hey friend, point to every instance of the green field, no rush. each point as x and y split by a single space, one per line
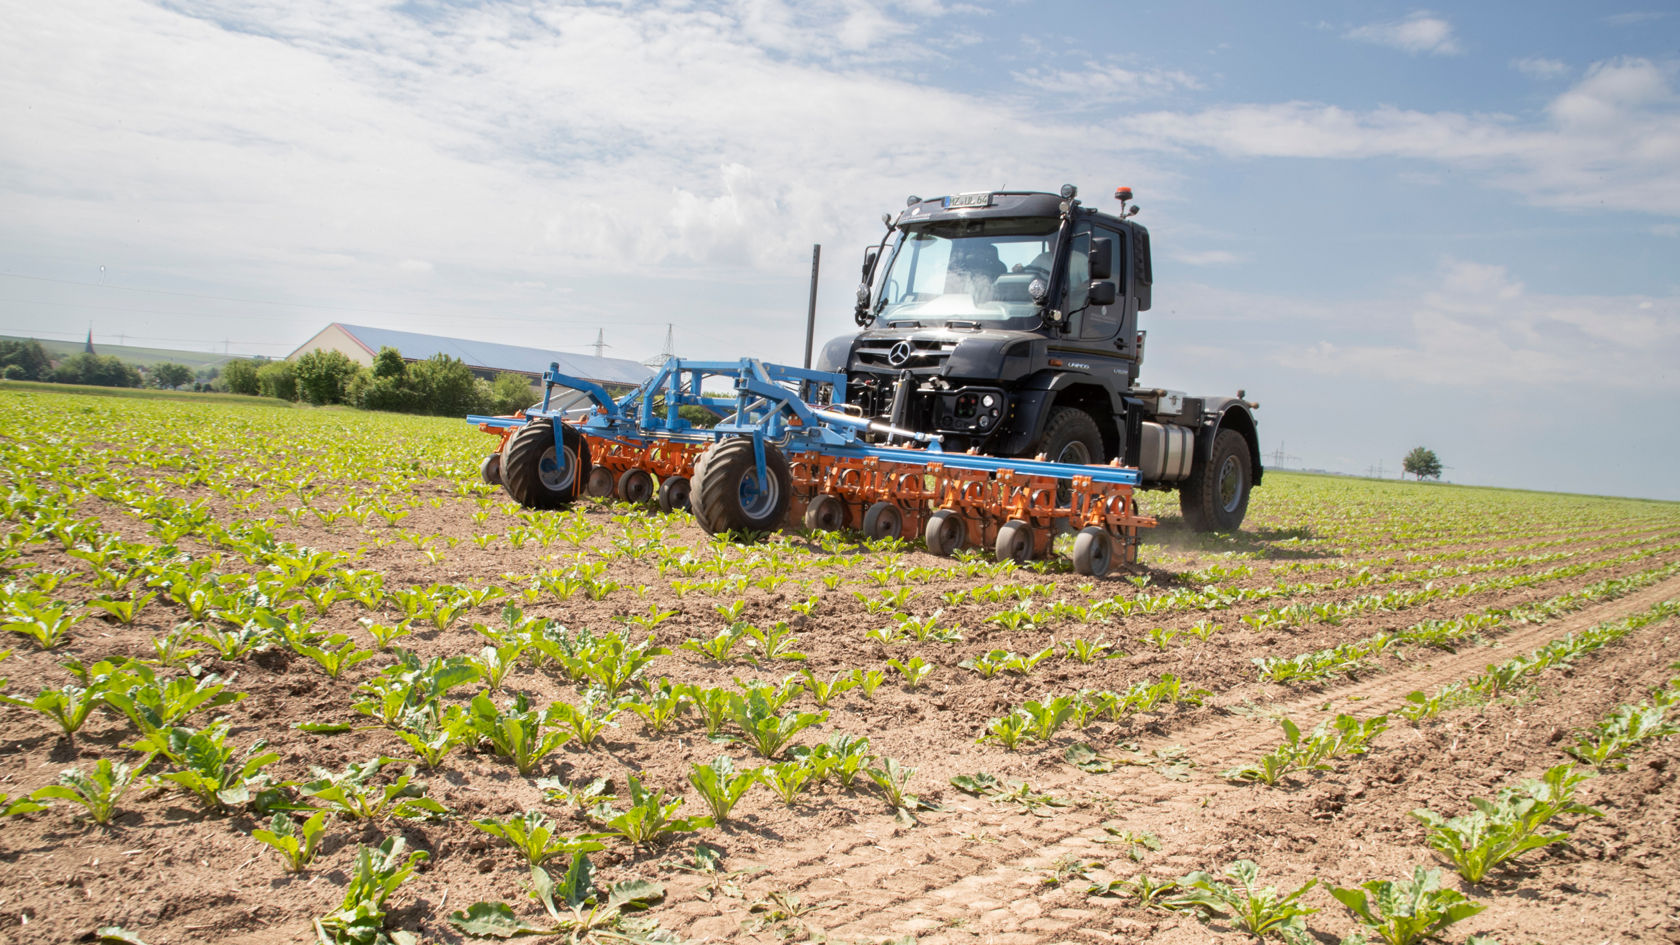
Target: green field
321 624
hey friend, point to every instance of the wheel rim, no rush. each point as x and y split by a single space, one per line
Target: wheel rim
1075 452
555 473
757 498
1230 484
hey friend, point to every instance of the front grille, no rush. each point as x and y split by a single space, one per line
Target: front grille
918 357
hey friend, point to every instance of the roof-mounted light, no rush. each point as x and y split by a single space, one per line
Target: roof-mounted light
912 200
1069 191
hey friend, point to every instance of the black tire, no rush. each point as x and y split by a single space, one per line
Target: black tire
1215 497
1093 552
538 477
693 498
945 533
673 494
600 483
883 520
1071 436
491 469
826 513
635 486
1014 542
727 495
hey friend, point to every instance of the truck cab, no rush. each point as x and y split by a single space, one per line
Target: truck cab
1007 322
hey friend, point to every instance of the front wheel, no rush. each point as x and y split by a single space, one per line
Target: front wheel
539 476
1215 497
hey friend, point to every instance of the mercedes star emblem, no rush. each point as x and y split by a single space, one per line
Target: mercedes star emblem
900 353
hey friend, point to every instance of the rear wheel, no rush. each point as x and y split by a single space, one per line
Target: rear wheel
1014 542
1215 497
600 483
825 514
883 520
635 486
729 494
1093 551
537 475
945 533
673 494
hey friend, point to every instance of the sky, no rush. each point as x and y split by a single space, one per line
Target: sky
1392 225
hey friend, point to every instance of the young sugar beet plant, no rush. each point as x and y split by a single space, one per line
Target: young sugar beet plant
1242 901
1505 828
533 835
1345 735
647 818
206 766
99 792
721 786
296 843
360 918
1406 913
592 913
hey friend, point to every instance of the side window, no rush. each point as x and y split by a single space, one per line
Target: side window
1079 271
1101 324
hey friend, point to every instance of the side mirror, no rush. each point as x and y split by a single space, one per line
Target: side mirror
869 257
1102 257
1101 292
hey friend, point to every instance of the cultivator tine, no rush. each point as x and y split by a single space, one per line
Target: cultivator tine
778 461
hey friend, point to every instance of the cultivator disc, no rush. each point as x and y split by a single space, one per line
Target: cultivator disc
781 460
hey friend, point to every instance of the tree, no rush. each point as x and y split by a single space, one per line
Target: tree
389 363
169 375
446 387
1422 463
277 379
511 392
324 375
101 370
28 357
240 377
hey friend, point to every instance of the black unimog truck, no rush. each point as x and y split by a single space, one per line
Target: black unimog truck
1008 322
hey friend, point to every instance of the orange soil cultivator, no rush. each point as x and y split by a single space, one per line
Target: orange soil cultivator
781 457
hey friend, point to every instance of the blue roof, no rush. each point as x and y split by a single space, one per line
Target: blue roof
492 356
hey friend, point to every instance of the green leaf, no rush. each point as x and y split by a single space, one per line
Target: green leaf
322 728
493 920
578 885
1085 758
634 894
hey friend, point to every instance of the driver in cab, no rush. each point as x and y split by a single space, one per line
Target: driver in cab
974 268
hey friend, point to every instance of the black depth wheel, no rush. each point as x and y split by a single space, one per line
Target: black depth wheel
1093 551
883 520
729 495
600 483
1014 542
491 469
1215 497
825 514
673 494
945 533
537 475
635 486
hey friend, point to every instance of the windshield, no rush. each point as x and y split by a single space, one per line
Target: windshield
976 271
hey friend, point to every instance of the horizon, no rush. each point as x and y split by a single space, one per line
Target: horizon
1391 226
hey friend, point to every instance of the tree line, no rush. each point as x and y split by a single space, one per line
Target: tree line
28 361
440 385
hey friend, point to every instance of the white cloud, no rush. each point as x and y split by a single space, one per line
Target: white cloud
1107 82
1418 33
1539 67
415 266
1666 229
1483 329
1611 140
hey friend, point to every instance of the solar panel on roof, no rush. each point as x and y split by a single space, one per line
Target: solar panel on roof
492 356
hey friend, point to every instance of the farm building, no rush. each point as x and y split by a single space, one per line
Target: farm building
485 358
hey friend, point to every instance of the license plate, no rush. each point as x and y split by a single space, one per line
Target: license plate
968 200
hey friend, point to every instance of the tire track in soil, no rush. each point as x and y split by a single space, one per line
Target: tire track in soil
894 882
